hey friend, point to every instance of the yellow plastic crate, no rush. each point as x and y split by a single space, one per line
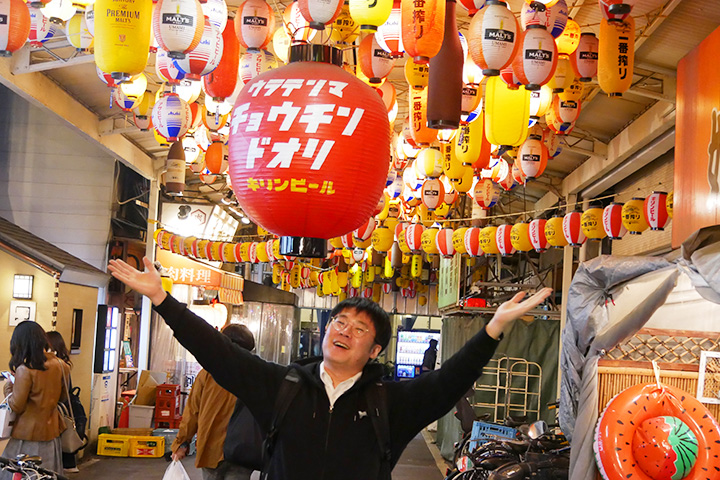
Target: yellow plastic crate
147 447
113 445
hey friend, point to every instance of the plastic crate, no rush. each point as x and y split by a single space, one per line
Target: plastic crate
147 447
113 445
484 432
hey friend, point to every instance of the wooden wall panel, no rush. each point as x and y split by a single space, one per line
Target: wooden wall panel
697 141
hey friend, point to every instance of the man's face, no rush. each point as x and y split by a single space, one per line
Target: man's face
351 345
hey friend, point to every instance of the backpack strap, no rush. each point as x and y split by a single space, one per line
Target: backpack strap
288 389
376 397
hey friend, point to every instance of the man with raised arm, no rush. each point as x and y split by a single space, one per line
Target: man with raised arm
327 433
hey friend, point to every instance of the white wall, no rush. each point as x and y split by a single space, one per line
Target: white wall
53 182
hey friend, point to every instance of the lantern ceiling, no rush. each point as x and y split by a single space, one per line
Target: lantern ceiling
616 128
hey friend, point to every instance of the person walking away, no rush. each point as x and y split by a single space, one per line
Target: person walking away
206 414
58 347
430 356
329 431
34 396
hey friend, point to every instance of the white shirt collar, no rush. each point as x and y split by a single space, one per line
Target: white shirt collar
332 391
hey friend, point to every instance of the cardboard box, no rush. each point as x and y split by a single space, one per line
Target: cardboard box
147 387
140 416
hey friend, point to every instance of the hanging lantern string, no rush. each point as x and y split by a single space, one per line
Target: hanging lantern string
541 210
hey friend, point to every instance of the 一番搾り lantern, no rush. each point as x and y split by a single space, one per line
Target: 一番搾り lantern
291 133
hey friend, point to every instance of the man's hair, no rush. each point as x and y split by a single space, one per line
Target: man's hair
241 335
433 342
379 317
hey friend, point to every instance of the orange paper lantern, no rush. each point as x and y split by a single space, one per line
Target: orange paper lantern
616 56
422 28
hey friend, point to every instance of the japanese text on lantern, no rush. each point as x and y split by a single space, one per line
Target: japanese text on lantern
305 119
298 185
623 57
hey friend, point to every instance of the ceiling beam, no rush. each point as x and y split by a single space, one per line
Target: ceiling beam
42 92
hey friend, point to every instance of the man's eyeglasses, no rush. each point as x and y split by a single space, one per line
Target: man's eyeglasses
341 323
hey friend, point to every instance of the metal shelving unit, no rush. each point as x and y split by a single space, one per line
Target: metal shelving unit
515 384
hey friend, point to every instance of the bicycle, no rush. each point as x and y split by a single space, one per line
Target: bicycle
28 468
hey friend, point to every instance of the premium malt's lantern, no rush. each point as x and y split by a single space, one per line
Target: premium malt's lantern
375 63
591 223
370 14
536 232
422 28
633 216
584 59
295 194
656 212
540 101
616 56
221 82
566 111
254 24
432 193
612 221
533 157
491 37
572 229
536 59
554 232
122 36
177 25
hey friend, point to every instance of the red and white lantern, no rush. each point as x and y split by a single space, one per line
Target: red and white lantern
337 115
375 63
492 37
567 111
216 11
413 237
171 117
612 221
537 235
584 59
252 252
41 28
486 193
472 242
536 58
387 288
253 63
656 212
320 12
389 34
221 82
347 240
533 157
178 26
254 24
366 230
16 27
165 68
572 229
432 193
504 243
443 242
204 58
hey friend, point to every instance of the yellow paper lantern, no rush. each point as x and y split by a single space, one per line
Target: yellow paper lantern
429 162
633 216
507 113
261 252
370 14
427 241
573 93
416 265
669 203
488 241
616 56
452 166
416 74
563 76
554 232
468 142
402 243
336 242
122 36
458 240
591 223
382 238
424 215
520 237
569 40
465 183
344 30
362 243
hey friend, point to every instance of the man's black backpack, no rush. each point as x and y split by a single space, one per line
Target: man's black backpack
245 445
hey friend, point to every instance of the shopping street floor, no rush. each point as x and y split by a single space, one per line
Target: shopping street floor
420 461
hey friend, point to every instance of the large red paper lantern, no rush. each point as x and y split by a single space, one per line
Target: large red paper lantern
204 58
292 131
492 37
221 82
572 229
656 212
422 28
584 59
16 27
503 239
537 235
254 24
536 58
443 242
612 221
178 26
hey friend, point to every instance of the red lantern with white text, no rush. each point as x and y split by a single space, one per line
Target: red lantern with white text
472 242
612 221
656 212
337 116
572 229
443 242
375 63
504 241
221 82
536 232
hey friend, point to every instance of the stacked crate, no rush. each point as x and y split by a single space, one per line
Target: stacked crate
167 406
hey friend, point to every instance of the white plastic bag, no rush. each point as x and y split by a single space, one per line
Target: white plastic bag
175 471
